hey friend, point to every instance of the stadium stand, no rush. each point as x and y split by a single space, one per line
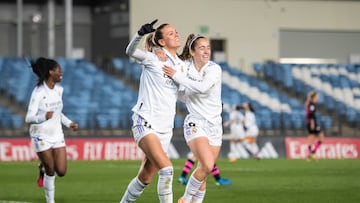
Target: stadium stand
274 109
91 97
98 100
337 84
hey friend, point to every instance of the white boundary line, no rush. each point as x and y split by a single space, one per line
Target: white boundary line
9 201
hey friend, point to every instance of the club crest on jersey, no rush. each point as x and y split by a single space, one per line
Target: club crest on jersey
193 129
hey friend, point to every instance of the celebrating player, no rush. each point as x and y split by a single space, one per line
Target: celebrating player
154 112
203 124
46 118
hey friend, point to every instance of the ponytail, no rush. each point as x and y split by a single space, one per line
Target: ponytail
189 45
41 68
310 96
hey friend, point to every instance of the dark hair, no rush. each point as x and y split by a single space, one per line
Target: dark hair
41 68
238 107
251 108
190 44
158 34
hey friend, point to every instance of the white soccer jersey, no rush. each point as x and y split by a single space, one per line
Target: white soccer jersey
43 99
250 124
157 92
236 117
236 125
203 91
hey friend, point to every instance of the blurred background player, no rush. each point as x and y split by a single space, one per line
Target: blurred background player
237 133
189 163
314 130
46 119
251 130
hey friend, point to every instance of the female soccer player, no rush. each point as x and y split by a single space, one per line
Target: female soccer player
251 130
314 130
237 133
154 112
46 118
203 124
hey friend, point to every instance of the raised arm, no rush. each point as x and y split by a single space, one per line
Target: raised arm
131 49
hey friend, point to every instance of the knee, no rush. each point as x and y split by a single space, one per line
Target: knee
207 168
61 173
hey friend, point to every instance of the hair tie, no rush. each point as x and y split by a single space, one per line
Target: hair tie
193 40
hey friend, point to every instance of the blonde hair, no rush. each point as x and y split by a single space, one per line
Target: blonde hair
149 43
310 97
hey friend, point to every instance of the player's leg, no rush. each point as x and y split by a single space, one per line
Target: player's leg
320 138
136 187
218 180
40 179
310 140
47 159
206 155
189 163
60 161
154 151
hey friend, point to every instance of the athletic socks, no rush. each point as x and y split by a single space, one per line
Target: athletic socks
187 167
164 186
216 172
198 197
316 147
191 188
49 187
133 191
309 151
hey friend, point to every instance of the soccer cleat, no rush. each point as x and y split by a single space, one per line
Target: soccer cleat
311 157
40 179
223 181
183 180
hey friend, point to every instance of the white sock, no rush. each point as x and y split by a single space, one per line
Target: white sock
254 148
164 187
49 187
234 153
198 197
192 187
133 191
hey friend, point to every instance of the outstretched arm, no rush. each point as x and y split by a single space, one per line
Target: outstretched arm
211 78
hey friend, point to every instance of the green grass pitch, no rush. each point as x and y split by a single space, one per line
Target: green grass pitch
264 181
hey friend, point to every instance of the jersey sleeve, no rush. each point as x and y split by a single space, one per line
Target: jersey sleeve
32 115
65 120
210 79
133 51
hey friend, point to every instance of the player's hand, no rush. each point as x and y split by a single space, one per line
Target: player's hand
147 28
169 71
74 126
